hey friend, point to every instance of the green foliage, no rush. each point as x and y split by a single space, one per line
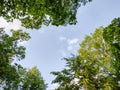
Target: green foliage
65 78
23 79
12 75
32 80
34 13
9 51
9 48
112 37
92 67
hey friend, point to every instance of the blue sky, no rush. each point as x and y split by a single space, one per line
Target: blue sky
49 45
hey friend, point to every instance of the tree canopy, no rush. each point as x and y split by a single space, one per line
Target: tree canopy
9 49
96 67
13 74
112 37
34 13
91 69
31 79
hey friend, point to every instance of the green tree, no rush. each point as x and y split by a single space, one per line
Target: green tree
34 13
13 75
9 51
32 80
112 37
24 79
91 69
66 77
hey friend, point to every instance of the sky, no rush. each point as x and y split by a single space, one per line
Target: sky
49 45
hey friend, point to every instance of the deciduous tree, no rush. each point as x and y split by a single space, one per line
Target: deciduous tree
112 37
10 50
13 75
34 13
32 80
91 69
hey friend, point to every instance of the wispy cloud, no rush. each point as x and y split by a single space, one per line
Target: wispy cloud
63 53
73 41
62 38
72 44
69 45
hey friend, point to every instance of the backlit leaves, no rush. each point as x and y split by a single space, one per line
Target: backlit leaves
92 67
34 13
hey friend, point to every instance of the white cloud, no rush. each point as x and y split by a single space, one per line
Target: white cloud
53 86
3 23
73 41
62 38
73 44
16 24
63 53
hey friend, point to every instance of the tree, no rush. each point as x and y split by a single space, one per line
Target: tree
32 80
112 37
9 51
34 13
91 69
9 48
66 78
13 75
24 79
